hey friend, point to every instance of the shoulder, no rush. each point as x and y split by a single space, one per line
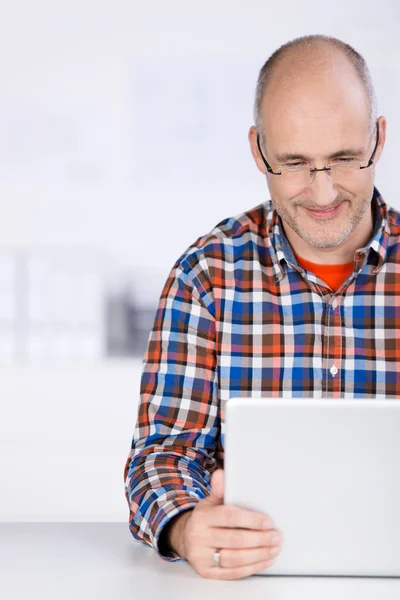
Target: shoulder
393 220
228 237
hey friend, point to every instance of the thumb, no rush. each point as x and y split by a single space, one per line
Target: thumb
217 487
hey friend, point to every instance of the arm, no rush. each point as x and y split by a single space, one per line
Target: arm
171 459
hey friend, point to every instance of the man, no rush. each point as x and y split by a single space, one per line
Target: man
297 297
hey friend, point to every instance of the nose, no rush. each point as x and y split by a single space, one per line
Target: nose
321 189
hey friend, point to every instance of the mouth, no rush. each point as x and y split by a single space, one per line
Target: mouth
325 214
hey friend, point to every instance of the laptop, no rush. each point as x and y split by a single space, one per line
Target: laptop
327 472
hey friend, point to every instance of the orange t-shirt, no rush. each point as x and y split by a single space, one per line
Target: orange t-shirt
333 275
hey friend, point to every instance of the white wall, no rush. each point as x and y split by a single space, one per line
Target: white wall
65 434
68 112
123 127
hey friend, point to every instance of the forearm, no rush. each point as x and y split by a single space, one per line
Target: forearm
178 422
159 487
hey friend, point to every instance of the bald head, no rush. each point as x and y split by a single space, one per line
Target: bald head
317 67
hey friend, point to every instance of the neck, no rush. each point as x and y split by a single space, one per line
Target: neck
340 254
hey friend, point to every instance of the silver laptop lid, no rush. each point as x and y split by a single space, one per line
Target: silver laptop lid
327 471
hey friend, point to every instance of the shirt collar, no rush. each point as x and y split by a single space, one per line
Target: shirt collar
378 241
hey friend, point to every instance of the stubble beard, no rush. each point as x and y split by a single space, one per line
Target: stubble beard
325 238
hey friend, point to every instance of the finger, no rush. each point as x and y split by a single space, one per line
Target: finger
221 537
217 486
238 558
228 515
238 572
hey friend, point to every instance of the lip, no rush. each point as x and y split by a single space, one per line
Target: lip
325 214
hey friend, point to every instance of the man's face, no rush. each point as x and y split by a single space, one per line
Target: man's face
326 212
317 118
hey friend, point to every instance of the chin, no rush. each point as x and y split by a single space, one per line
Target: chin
323 242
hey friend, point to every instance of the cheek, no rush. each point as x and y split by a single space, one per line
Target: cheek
362 186
284 199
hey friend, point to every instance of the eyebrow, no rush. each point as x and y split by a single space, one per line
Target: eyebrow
281 158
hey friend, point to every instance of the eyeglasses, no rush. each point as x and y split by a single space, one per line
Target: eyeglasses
300 173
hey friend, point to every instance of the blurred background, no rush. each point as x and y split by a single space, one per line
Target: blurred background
123 138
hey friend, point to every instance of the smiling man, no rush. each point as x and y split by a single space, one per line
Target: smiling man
298 296
316 108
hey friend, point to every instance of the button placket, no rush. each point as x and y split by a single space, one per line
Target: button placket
334 350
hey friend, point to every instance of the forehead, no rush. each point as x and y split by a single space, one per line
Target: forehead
316 116
318 138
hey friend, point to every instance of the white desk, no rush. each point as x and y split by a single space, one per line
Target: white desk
102 561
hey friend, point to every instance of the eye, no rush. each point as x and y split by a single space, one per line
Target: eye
293 164
344 160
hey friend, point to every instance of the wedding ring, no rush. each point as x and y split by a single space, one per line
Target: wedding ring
216 559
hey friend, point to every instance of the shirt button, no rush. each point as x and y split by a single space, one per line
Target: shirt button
334 304
333 370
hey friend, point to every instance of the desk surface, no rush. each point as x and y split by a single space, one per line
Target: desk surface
102 561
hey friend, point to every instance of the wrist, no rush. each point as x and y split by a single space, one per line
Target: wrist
175 533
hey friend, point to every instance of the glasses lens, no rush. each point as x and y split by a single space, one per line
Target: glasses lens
338 173
298 178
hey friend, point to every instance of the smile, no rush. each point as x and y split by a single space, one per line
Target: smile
324 214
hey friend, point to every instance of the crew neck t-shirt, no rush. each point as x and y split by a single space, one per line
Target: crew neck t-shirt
333 275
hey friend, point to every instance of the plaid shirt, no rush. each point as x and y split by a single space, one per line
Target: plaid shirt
238 316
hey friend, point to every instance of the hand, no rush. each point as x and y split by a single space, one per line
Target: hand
245 545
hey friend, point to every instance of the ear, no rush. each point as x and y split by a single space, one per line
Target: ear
252 135
382 138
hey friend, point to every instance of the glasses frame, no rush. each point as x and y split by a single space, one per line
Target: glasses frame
313 169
